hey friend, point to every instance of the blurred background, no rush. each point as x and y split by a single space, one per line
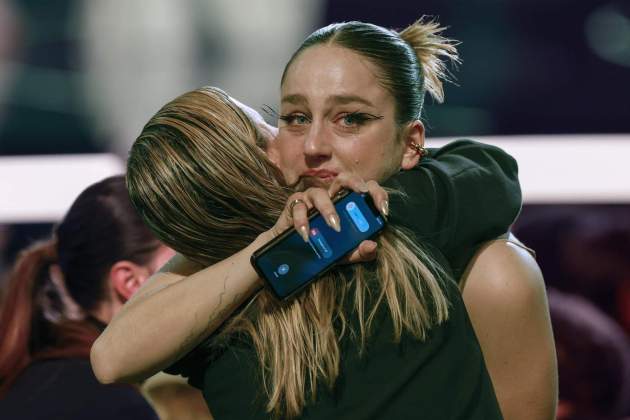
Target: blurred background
81 78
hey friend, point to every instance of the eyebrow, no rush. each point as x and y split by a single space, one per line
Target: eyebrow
348 99
297 99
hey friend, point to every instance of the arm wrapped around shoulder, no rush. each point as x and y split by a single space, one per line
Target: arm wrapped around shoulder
463 194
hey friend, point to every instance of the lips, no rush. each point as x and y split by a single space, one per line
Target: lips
320 173
317 178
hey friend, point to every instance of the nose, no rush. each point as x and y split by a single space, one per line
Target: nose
317 145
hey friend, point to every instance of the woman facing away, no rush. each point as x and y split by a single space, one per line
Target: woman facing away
206 189
61 294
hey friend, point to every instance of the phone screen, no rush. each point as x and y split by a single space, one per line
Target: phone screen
288 263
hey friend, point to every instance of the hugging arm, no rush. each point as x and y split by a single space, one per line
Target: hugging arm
181 305
463 194
171 313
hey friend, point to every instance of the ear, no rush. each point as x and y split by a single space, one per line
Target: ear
413 134
126 277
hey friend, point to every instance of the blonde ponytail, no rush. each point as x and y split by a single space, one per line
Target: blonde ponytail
434 51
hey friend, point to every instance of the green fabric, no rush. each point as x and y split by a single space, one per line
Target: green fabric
461 195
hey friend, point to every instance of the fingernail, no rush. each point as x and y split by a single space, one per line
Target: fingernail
364 187
333 222
385 208
303 233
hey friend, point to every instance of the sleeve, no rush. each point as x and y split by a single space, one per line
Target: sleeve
460 196
191 366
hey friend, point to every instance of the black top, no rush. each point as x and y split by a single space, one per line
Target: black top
66 389
460 196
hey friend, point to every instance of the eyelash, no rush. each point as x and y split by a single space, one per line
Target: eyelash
359 118
290 118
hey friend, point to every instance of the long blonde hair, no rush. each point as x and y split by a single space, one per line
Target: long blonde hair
206 189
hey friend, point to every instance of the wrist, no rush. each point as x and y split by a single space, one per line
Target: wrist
265 237
261 240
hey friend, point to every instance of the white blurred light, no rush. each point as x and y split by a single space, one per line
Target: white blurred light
552 169
42 188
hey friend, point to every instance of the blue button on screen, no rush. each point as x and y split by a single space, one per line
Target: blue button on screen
283 269
357 217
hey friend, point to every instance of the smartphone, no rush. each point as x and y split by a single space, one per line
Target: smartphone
287 264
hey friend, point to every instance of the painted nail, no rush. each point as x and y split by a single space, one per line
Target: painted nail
303 233
333 222
385 208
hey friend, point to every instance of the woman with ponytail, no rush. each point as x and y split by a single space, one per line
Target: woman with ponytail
338 91
60 295
385 339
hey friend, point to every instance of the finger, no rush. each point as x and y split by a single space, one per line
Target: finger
321 201
284 222
366 251
349 181
379 196
299 213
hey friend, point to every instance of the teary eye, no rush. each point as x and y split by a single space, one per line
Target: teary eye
295 119
354 119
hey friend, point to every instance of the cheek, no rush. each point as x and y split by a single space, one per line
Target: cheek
288 154
366 157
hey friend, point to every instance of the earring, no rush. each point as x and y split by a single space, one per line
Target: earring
419 149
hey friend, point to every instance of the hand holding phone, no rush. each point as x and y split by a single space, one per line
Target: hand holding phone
320 199
289 263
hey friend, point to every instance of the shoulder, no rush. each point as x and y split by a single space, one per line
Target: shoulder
504 272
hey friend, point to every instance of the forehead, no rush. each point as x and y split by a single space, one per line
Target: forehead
323 71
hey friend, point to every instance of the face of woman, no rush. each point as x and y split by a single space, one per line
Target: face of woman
336 117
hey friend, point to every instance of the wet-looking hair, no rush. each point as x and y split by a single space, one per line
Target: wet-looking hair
409 63
100 228
200 182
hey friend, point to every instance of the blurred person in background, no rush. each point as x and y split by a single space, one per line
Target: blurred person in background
593 360
61 294
584 250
